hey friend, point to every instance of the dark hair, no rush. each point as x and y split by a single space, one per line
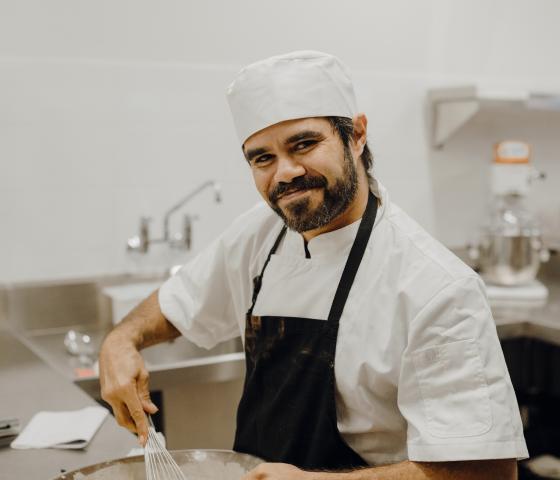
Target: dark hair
345 129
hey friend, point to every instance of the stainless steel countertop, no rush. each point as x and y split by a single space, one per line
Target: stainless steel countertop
28 386
523 320
169 363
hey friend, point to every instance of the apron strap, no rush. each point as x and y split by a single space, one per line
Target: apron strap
354 260
257 281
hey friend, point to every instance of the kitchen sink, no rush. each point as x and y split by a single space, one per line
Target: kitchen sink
181 350
170 363
41 313
184 377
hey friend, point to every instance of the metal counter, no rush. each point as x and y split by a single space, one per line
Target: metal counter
170 363
523 320
28 386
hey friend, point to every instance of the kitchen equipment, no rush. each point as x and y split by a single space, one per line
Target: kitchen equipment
510 253
195 464
141 243
510 249
160 465
80 345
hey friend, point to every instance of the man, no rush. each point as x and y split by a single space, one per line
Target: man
367 342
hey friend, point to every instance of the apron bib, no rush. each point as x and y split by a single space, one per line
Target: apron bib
288 410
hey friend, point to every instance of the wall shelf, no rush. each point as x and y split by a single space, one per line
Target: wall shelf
450 108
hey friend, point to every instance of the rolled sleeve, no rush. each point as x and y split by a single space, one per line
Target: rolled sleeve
454 388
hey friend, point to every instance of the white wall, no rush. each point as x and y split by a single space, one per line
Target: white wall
114 109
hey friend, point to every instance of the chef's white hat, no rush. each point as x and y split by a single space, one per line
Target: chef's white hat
285 87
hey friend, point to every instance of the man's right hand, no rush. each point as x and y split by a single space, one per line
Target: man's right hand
124 384
122 373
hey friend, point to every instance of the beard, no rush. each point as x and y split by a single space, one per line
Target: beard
299 215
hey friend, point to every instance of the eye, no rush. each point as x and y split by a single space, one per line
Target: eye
262 160
304 145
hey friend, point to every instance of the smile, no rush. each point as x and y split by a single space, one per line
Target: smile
288 196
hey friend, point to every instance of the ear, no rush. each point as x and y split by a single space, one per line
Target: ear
359 122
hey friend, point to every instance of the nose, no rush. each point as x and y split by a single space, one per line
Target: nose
287 168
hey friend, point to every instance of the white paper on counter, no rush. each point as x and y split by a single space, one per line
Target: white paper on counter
67 429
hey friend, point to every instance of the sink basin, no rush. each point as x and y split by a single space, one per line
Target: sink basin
42 313
170 364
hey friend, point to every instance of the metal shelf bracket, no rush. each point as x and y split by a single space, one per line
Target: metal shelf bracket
450 108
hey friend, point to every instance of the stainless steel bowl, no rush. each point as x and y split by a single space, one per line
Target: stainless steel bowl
510 259
195 464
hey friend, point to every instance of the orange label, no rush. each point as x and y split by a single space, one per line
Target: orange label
511 151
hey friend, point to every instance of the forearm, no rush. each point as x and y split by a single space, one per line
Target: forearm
479 470
122 373
145 325
399 471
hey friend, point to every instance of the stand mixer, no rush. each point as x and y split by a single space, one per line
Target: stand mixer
510 250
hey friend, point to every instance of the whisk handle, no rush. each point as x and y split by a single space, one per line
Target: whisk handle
150 421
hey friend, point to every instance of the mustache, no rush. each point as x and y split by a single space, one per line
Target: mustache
304 182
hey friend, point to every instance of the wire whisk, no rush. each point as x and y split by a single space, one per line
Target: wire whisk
160 465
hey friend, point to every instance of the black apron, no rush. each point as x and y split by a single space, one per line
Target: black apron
287 412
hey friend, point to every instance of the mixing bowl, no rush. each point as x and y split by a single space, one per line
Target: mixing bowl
195 464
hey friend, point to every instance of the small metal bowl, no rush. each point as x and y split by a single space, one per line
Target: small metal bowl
195 464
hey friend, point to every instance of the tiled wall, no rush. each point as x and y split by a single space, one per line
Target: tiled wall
111 110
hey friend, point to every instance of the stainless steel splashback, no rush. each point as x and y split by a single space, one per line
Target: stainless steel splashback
45 305
58 304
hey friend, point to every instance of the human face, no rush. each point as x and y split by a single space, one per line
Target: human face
303 171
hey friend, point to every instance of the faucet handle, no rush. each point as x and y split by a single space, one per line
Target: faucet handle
187 229
183 240
145 224
140 243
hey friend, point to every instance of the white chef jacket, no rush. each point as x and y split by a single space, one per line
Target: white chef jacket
419 370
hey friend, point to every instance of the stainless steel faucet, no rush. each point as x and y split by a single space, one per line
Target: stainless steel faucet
141 242
186 199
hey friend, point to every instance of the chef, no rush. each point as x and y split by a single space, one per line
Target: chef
371 351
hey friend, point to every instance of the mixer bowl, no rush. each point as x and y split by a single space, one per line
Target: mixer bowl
195 464
511 259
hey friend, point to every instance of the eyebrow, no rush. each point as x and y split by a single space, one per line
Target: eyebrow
252 153
306 134
303 135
